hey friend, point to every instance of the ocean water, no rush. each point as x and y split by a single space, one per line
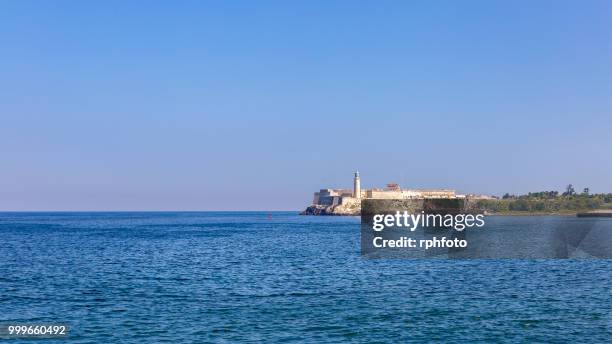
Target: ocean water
227 277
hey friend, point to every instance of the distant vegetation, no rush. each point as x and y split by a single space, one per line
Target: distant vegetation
548 202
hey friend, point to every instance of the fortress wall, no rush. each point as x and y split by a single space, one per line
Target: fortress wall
350 201
326 200
384 194
410 193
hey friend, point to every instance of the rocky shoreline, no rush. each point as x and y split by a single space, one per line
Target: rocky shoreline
337 210
596 213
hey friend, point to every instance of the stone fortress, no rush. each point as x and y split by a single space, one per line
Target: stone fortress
348 202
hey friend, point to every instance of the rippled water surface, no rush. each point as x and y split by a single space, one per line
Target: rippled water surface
232 277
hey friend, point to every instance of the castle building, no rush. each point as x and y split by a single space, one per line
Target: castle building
332 197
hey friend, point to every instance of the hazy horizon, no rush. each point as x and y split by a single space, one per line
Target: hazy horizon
255 106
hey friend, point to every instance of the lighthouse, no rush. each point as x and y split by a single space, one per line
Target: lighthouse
356 186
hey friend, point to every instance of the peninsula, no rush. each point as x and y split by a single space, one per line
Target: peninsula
348 202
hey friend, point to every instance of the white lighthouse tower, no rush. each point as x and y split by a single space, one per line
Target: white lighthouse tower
356 186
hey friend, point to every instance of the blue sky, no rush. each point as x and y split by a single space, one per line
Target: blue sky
198 105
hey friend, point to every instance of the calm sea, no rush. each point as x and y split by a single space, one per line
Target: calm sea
279 277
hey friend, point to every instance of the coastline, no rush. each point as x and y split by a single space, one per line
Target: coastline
314 210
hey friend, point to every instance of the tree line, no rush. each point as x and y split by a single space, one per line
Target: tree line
548 201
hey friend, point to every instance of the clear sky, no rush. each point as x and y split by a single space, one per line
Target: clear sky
254 105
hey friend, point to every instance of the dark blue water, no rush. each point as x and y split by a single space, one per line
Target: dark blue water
244 277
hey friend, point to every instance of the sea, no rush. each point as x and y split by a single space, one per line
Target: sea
278 277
